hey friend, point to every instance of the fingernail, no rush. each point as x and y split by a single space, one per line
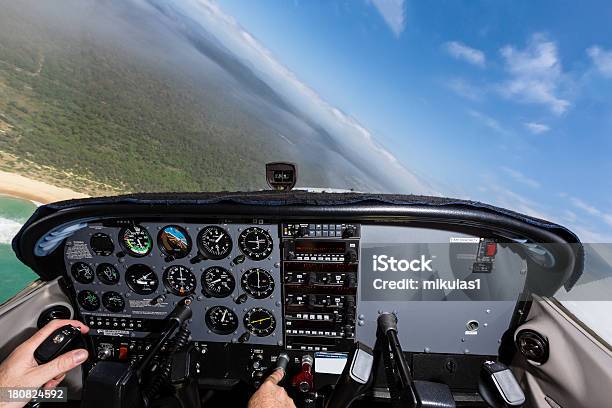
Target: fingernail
80 356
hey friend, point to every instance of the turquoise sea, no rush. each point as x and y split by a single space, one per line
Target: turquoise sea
14 276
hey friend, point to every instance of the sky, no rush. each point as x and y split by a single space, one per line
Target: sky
502 102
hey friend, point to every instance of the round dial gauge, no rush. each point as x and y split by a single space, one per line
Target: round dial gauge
179 280
258 283
218 282
107 274
88 300
141 279
136 240
82 272
255 243
221 320
174 241
214 242
113 302
101 244
260 321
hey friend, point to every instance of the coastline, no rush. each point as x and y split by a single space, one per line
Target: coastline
18 186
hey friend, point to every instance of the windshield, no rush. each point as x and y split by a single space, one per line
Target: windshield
102 98
501 102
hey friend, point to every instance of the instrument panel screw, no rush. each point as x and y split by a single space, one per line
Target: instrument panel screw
488 311
466 351
361 322
427 349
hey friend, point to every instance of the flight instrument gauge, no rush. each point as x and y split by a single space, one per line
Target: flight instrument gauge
141 279
179 280
136 240
259 321
88 300
174 241
214 242
221 320
113 302
218 282
258 283
101 244
82 272
256 243
107 274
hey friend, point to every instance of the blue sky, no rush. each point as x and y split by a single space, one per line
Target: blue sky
503 102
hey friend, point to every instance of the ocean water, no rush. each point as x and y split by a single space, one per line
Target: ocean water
14 275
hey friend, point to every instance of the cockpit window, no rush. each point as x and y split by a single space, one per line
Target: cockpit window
103 98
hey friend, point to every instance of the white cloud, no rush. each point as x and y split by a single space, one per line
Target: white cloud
591 210
536 74
465 53
602 59
487 121
521 178
466 89
584 206
393 12
537 128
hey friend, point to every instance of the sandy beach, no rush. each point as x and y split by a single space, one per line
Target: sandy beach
16 185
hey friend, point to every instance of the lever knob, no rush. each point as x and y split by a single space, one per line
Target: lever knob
303 380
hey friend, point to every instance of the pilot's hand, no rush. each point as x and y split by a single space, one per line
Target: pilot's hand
20 370
270 395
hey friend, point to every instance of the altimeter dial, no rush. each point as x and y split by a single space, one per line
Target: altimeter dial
179 280
214 242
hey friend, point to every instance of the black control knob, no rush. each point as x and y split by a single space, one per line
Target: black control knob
256 361
302 231
350 256
348 232
104 353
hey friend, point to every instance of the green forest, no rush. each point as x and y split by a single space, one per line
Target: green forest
90 117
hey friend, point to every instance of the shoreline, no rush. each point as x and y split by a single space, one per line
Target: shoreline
18 186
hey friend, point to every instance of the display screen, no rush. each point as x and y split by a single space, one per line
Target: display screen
319 267
320 247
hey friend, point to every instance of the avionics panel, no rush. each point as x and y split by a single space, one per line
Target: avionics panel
128 275
320 263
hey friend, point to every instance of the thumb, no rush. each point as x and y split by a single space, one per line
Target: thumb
276 376
58 367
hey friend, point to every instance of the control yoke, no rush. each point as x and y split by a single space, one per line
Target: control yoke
113 384
410 393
